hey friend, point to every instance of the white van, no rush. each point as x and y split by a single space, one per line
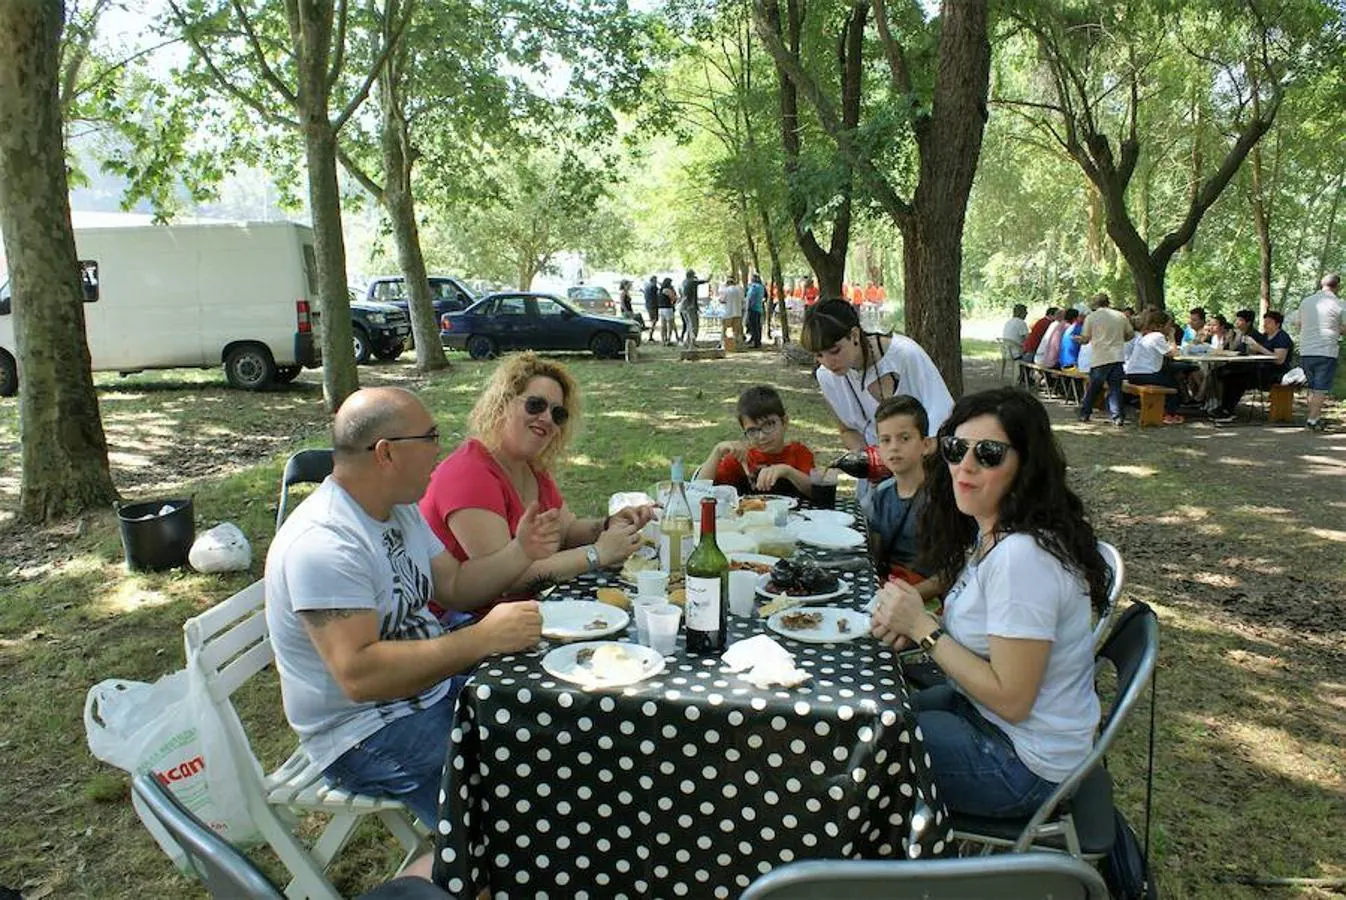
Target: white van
161 297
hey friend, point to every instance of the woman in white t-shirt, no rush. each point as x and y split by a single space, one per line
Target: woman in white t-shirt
1145 365
1002 527
858 369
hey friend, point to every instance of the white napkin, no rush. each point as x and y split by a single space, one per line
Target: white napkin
765 661
619 501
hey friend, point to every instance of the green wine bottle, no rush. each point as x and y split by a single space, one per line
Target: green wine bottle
707 589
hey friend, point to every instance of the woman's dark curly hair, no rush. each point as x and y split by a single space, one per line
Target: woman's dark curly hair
1038 502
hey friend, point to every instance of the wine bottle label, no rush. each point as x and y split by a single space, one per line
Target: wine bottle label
703 603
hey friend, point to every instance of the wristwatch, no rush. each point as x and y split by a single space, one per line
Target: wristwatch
591 554
928 642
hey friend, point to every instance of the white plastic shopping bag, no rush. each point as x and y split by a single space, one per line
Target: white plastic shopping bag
223 548
171 729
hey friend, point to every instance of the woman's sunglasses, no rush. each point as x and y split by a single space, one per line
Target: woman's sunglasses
988 454
536 406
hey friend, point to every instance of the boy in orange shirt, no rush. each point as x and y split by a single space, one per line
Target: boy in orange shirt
762 462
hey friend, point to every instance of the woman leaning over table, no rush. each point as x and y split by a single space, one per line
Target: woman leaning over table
1004 529
858 369
521 426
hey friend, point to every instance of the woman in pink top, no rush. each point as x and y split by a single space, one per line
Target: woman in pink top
521 425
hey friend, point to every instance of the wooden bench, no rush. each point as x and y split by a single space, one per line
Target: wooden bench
1282 400
1077 383
702 353
1026 369
1151 401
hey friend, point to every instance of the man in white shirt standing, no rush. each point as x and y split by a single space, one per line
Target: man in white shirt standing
731 298
1015 331
368 677
1106 331
1320 328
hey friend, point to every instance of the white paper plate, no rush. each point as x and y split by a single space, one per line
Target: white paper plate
841 589
829 537
563 662
832 517
569 620
828 631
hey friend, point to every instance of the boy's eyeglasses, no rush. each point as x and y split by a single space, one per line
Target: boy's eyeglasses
987 453
756 433
431 435
536 406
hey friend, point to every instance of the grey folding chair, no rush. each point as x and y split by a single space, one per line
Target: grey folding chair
1020 876
304 467
1117 569
1078 816
221 866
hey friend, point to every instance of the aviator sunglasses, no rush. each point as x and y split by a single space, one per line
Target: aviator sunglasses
987 453
536 406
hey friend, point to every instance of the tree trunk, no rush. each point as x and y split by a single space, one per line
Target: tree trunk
401 207
777 275
950 146
63 448
1262 225
1326 252
931 256
339 378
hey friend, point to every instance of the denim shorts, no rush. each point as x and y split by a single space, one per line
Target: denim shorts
1321 370
404 759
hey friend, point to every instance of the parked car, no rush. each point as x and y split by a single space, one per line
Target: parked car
531 321
592 299
380 329
448 294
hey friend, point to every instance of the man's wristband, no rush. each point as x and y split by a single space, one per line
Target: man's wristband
591 555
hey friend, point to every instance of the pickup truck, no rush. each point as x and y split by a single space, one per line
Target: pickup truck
380 329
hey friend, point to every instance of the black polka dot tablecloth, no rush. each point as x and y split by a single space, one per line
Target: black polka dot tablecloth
689 784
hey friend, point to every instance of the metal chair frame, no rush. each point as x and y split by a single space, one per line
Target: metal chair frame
223 868
1133 649
1021 876
304 467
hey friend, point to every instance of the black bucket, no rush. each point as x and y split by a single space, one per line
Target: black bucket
155 541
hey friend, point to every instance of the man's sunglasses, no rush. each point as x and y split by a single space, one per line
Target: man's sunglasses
536 406
988 454
431 435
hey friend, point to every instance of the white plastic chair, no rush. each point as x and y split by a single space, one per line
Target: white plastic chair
1022 876
1113 558
230 644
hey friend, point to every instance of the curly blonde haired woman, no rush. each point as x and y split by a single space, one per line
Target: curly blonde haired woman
521 426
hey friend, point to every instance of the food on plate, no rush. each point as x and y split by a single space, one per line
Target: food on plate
584 656
751 504
743 565
613 597
843 625
801 621
597 624
784 601
613 662
800 579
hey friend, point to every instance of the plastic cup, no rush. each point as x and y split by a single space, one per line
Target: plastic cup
640 608
824 482
662 620
652 583
779 511
742 592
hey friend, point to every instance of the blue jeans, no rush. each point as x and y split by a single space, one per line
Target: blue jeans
1111 375
972 761
404 759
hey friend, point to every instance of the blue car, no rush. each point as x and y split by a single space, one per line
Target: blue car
520 320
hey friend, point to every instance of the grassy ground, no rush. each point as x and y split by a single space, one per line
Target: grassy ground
1235 536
